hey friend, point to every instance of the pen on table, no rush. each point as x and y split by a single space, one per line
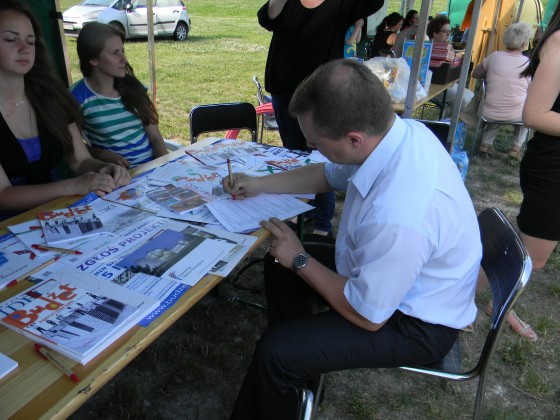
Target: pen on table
230 176
55 249
51 357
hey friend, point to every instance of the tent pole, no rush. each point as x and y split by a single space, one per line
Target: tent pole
464 72
418 46
151 50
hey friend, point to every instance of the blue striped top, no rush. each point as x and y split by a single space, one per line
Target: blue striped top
109 125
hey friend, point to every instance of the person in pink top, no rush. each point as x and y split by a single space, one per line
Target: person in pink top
505 90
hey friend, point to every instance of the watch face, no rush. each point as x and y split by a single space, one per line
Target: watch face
300 261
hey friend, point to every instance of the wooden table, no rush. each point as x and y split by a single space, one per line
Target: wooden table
36 389
435 90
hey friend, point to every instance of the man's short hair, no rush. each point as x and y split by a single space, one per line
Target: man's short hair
343 96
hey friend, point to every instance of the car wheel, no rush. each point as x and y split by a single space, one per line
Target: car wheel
181 32
118 27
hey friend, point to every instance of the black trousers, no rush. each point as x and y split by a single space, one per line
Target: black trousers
299 345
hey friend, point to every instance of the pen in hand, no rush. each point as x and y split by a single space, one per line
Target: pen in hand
230 176
51 357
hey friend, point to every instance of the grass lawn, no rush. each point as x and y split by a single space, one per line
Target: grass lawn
225 48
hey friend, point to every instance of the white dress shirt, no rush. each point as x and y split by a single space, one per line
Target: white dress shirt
408 237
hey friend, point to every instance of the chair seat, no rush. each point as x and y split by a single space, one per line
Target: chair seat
451 362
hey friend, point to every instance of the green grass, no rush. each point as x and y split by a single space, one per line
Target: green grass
225 48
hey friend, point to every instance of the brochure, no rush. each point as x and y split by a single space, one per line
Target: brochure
75 314
62 225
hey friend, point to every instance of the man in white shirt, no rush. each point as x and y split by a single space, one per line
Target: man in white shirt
407 252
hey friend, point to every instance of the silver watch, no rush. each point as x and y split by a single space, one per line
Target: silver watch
300 261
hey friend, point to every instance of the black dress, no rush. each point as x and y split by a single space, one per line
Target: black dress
380 46
539 176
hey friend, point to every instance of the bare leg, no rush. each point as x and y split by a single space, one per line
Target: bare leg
539 250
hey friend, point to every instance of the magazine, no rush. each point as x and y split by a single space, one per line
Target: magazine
16 261
62 225
75 314
178 256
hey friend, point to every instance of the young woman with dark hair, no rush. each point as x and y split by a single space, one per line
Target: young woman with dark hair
40 123
120 120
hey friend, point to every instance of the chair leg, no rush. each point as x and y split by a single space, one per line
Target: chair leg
479 396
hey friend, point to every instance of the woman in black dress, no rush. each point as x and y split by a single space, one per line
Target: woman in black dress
386 34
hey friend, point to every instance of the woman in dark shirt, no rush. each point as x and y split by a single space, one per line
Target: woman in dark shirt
39 123
386 35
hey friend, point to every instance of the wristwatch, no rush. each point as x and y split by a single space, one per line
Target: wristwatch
300 260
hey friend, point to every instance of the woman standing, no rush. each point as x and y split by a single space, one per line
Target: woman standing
539 216
120 120
39 123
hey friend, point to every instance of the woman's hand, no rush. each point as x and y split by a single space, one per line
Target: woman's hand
119 174
109 157
100 184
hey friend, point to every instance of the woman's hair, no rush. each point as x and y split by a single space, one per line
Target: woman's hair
91 42
553 26
408 18
388 21
55 107
516 35
436 24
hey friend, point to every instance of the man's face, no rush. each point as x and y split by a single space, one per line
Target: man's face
336 150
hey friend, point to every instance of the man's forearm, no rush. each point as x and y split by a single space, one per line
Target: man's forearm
308 179
275 7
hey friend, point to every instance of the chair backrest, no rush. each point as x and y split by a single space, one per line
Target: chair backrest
508 267
440 129
222 117
260 96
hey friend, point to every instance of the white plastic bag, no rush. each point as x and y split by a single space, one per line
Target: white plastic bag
394 73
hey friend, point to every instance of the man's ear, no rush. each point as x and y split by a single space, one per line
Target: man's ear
355 138
94 62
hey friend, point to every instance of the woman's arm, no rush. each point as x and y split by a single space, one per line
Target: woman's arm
391 39
275 7
357 33
156 140
479 71
81 163
544 90
107 156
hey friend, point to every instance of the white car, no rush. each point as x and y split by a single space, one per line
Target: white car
170 19
77 16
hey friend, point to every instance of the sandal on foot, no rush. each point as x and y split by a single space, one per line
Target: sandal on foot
468 329
521 328
486 150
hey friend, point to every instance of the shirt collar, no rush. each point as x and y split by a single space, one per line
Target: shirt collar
365 174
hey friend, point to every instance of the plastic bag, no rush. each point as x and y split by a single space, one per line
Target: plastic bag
394 73
458 155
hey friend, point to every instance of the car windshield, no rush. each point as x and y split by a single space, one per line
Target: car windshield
106 3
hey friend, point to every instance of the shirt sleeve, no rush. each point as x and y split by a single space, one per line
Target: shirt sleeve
387 261
264 20
338 175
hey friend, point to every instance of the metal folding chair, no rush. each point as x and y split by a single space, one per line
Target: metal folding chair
223 117
508 267
267 118
440 129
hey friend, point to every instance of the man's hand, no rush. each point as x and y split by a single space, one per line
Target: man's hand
243 186
285 244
